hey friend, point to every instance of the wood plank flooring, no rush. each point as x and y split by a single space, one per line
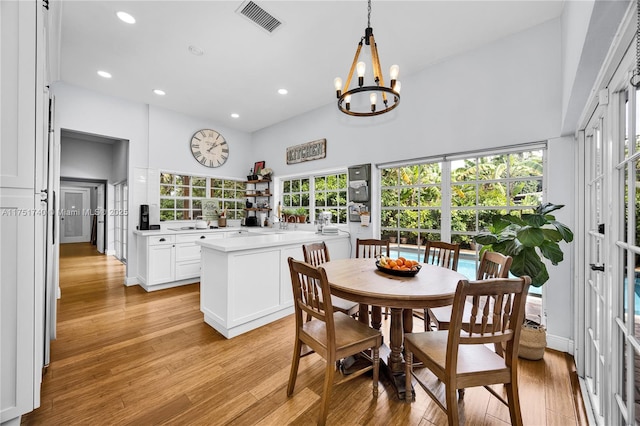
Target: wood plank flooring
127 357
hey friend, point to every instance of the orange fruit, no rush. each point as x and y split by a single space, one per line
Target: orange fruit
400 261
402 258
392 264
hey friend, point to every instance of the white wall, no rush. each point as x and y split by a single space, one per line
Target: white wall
85 160
504 93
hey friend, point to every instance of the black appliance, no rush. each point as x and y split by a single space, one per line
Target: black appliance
144 217
252 221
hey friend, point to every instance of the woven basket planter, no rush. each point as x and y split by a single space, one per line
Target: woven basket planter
533 340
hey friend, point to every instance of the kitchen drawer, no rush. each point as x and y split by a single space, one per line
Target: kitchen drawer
185 270
161 239
190 238
187 251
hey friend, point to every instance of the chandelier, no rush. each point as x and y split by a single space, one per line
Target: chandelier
354 101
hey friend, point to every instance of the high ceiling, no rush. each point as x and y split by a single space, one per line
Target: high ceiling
243 65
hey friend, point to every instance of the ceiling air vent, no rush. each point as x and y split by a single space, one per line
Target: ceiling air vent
258 15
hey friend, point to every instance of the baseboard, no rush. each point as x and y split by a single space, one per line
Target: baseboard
111 253
561 344
129 281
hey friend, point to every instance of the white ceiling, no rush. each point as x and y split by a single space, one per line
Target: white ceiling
243 66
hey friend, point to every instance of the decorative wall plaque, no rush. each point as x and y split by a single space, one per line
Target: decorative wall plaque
307 151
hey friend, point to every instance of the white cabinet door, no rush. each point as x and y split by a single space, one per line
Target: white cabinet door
17 294
161 264
17 84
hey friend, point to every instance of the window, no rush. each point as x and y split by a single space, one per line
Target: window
315 194
181 196
452 200
231 193
483 187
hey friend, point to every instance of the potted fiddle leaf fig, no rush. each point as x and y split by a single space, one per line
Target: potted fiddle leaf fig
528 238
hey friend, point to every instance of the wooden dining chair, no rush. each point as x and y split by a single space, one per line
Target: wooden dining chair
442 254
459 357
332 335
316 254
492 265
371 248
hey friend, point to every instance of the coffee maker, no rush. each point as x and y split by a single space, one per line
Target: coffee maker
144 217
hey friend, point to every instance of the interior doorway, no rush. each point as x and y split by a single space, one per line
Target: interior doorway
75 217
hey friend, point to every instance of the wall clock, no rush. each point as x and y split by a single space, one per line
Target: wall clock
209 148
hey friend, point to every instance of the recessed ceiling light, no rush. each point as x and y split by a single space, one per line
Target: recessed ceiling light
195 50
104 74
125 17
159 92
283 91
234 115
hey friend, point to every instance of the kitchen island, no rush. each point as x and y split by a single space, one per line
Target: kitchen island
245 281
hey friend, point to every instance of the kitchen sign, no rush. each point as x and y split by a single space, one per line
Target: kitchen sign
307 151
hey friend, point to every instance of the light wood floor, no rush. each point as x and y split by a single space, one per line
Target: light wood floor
124 356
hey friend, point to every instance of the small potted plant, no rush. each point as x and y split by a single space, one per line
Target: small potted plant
301 214
528 238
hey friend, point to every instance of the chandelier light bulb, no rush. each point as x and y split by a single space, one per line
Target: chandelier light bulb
347 101
394 71
396 87
337 82
373 98
360 68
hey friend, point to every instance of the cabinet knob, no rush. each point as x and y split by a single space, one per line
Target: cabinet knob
202 237
162 240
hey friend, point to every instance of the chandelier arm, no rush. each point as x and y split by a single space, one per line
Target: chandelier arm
376 65
353 66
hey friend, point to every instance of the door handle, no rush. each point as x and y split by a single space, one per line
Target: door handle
202 237
597 267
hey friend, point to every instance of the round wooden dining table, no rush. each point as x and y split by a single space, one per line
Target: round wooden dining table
360 280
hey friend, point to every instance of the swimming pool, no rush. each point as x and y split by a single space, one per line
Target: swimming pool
467 264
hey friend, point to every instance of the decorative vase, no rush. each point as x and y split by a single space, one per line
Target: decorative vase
222 222
533 341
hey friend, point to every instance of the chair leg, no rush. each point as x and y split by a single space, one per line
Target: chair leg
427 320
326 392
408 368
294 368
514 403
376 369
452 405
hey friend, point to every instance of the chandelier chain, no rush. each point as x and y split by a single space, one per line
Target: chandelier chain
369 14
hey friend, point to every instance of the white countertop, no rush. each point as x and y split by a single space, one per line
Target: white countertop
263 239
177 231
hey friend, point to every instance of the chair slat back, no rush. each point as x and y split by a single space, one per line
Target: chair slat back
442 254
316 253
370 248
310 288
501 299
493 265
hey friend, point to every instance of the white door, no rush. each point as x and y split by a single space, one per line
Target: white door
100 219
596 298
75 223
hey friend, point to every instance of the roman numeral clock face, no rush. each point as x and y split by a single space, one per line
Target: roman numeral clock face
209 148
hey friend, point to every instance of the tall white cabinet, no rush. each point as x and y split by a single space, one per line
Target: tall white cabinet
22 229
